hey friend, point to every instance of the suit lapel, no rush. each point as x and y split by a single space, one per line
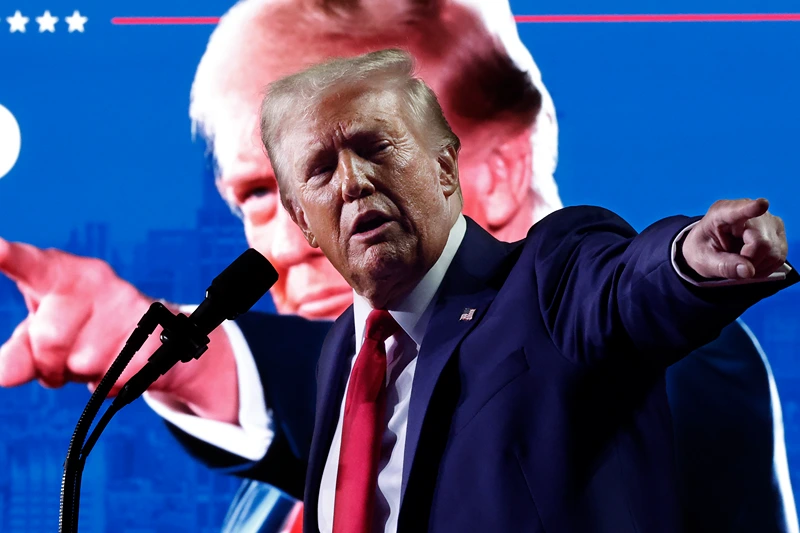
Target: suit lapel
466 287
332 374
464 296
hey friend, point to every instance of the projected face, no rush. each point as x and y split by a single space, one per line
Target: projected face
488 101
308 284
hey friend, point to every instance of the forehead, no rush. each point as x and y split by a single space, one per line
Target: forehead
351 110
341 116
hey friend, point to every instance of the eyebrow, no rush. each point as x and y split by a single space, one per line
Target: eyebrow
352 135
357 128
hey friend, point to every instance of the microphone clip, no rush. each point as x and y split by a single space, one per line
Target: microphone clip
181 340
184 338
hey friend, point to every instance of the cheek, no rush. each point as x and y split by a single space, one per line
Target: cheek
260 210
323 215
259 237
423 197
335 256
416 186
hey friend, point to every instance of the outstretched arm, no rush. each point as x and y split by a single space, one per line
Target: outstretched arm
606 291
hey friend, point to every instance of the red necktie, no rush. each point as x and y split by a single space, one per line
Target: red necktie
362 429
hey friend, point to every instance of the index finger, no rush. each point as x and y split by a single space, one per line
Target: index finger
26 265
740 211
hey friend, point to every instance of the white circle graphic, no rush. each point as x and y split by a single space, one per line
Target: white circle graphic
10 141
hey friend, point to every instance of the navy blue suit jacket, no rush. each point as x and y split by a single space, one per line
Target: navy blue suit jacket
548 410
556 425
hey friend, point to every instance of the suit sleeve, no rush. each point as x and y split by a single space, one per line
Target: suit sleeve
286 350
606 291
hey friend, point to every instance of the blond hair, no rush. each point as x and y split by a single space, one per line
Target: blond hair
297 94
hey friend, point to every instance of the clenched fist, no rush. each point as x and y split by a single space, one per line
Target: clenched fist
80 313
736 239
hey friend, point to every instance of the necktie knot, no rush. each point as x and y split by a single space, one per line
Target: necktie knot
380 325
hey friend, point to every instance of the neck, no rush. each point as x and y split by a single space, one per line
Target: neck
386 292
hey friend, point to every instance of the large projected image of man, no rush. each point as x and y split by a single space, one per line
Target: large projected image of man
253 392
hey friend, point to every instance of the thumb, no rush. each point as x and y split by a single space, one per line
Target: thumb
17 365
730 266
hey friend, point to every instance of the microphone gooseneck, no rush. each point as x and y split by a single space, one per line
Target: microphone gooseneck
184 338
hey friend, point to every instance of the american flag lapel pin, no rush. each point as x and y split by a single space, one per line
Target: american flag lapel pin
467 314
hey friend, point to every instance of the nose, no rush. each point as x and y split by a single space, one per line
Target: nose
289 247
355 178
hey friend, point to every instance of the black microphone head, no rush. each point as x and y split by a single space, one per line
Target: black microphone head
237 288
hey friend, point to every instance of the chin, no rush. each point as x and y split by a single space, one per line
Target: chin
378 278
382 261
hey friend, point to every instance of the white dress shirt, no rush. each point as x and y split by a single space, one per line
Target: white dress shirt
254 433
412 314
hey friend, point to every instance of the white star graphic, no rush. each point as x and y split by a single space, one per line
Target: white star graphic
47 22
76 22
17 22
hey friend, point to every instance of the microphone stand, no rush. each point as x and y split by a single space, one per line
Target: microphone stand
185 342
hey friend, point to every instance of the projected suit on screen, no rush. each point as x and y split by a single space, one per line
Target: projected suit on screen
473 59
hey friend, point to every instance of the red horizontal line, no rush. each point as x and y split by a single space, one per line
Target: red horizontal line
144 21
536 19
689 17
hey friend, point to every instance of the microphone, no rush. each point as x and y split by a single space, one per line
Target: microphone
233 292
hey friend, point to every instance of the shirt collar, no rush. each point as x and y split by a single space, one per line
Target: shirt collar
413 312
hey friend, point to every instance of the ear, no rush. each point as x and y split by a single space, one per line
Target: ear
298 216
509 174
307 233
448 170
310 238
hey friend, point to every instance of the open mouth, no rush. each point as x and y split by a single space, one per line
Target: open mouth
369 222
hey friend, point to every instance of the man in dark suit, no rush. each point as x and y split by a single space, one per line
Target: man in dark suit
719 398
722 400
479 385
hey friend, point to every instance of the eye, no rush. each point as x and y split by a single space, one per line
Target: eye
381 147
256 197
321 171
372 150
252 191
258 192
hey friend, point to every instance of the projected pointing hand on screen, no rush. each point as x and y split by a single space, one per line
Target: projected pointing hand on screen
79 315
